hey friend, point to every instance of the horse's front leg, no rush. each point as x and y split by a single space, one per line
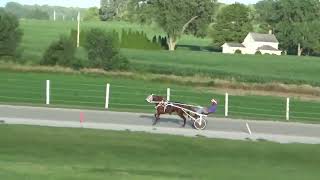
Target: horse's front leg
157 117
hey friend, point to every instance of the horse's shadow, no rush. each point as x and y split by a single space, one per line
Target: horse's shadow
166 120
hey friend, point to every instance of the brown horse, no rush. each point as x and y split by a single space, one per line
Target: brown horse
162 107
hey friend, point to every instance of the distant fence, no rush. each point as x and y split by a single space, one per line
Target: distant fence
130 97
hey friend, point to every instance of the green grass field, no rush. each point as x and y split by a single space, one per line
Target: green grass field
38 153
245 68
39 34
128 94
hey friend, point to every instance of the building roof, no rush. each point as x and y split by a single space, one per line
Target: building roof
268 48
235 45
264 37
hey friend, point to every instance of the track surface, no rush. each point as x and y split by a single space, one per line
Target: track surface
216 128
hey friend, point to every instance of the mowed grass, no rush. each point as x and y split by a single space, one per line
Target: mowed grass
129 94
38 153
244 68
38 34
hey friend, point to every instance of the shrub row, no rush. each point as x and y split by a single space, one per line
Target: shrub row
102 50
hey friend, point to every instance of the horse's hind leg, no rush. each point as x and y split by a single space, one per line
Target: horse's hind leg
184 119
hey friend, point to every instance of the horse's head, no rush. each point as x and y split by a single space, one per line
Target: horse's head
149 99
154 98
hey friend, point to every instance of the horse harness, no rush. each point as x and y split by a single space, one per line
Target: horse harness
163 104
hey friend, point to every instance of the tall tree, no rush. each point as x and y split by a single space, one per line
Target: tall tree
140 11
92 14
292 21
113 8
232 24
10 34
266 15
299 17
16 9
175 16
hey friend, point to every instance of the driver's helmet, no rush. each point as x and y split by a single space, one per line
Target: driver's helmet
214 101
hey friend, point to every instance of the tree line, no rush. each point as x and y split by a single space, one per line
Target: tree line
295 23
44 12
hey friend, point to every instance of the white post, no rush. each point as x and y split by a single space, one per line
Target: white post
248 128
168 94
54 15
78 36
288 109
226 108
107 96
48 92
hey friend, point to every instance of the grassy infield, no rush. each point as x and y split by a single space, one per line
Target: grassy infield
25 152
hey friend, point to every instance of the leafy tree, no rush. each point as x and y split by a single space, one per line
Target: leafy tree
103 52
293 22
16 9
176 16
10 34
140 11
113 9
266 15
298 16
92 14
232 24
60 53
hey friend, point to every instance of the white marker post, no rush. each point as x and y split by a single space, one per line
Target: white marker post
78 35
226 107
288 109
107 96
54 15
168 94
248 128
48 92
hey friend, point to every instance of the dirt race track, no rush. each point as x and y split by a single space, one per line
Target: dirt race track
283 132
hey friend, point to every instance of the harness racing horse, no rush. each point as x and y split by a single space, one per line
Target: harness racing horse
163 108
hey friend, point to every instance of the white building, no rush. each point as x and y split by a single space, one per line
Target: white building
265 43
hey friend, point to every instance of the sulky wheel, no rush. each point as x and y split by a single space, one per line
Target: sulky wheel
199 126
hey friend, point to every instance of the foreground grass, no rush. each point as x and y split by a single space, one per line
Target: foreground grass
38 153
77 90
